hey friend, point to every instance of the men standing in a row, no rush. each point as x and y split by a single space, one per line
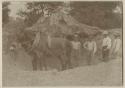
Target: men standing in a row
106 46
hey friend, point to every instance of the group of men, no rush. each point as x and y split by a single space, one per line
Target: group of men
109 47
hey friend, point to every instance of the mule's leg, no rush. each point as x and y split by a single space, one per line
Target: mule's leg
65 59
40 63
34 64
69 64
89 58
68 60
63 64
39 60
34 61
68 53
42 60
44 63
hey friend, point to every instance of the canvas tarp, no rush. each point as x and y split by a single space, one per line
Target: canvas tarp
70 25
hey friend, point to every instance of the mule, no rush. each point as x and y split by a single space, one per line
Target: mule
60 48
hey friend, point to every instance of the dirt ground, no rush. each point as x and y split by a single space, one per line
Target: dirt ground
19 73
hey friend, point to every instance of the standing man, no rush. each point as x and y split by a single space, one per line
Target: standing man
76 49
106 45
13 50
91 48
116 45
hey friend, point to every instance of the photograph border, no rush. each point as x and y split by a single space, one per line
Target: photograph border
123 42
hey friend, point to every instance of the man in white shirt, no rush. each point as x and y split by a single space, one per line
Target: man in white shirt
91 47
76 49
116 45
106 46
76 45
13 50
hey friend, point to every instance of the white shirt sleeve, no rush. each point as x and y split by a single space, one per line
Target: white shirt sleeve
113 45
85 45
79 44
11 48
37 39
108 43
117 45
95 47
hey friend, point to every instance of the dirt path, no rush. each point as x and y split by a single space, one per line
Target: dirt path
108 74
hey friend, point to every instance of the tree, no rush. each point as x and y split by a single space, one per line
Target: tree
5 12
35 10
98 14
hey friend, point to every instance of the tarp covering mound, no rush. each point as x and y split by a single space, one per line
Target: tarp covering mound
59 21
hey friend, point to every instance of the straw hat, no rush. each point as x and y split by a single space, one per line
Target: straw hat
105 32
116 34
75 34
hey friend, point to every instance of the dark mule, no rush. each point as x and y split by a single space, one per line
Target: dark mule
60 48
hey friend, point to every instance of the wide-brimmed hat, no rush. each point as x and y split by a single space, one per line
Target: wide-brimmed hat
76 34
116 34
105 32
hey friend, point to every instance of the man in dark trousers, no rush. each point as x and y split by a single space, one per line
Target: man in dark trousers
91 48
106 45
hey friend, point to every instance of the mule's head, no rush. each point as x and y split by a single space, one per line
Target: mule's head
26 39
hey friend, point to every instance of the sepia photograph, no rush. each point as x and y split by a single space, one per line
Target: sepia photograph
62 43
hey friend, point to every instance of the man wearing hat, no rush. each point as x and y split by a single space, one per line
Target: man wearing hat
76 49
91 48
106 45
13 50
116 45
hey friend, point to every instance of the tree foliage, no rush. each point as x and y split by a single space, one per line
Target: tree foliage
97 14
5 12
35 11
